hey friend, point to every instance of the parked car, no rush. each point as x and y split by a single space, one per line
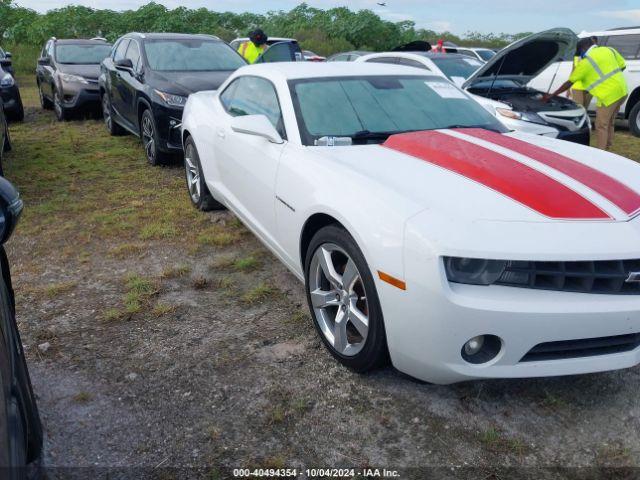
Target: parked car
5 138
10 96
482 54
235 43
347 56
421 227
313 57
20 428
6 61
145 82
500 84
624 40
67 75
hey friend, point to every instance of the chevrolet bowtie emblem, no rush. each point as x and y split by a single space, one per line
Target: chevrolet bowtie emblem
634 277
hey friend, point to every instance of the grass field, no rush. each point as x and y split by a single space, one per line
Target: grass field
176 340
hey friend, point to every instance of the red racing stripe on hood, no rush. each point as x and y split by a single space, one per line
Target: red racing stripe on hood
498 172
616 192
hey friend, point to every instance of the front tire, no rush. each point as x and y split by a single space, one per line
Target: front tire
150 139
343 300
634 119
196 185
58 108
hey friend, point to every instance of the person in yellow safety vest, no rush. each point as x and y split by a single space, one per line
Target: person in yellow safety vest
579 92
600 70
255 47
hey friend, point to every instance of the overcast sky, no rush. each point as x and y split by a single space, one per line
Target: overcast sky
458 16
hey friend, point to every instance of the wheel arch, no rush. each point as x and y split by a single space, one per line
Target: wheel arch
313 224
143 104
634 98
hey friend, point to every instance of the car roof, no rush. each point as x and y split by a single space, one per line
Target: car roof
80 41
171 36
299 70
269 39
429 55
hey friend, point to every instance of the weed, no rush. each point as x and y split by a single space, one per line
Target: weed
260 293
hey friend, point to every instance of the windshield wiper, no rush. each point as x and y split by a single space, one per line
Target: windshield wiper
364 135
483 127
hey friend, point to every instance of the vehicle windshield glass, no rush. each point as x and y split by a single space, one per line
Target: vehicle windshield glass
191 55
457 67
498 84
486 55
82 54
369 109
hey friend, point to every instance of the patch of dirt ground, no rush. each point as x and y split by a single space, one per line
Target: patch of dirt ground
180 348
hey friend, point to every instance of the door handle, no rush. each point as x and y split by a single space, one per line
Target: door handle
220 133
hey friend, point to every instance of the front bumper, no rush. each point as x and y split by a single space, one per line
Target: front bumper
75 98
169 125
582 136
428 323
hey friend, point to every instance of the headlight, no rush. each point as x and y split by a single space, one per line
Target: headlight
69 78
171 99
524 116
474 271
7 81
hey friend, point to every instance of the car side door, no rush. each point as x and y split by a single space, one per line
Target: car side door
628 45
130 84
115 79
247 164
47 70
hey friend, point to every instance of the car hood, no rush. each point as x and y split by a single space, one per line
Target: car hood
477 174
186 83
527 57
86 71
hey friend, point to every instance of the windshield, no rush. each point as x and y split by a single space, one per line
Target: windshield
82 54
457 68
486 55
497 84
191 55
369 109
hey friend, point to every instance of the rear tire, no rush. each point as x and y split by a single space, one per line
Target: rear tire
107 114
634 119
344 302
196 184
58 108
150 139
18 114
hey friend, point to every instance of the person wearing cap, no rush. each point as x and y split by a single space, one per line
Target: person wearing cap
256 46
600 72
439 48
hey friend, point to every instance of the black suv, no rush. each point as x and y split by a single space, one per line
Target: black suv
146 80
10 96
67 74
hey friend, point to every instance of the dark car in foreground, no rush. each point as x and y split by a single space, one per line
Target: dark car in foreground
10 96
67 75
20 428
145 82
5 139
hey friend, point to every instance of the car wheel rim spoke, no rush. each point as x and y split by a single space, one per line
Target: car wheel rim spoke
147 136
193 174
338 299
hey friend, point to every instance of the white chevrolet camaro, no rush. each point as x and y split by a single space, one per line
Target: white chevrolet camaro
424 231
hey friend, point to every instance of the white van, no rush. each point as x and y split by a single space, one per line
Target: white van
624 40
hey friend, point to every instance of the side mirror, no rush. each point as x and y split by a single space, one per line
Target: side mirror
125 64
258 125
10 209
43 61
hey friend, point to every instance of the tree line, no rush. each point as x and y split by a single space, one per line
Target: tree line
324 31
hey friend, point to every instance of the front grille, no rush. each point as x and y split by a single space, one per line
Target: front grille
604 277
588 347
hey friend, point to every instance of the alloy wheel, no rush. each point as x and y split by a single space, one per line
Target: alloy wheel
339 299
148 138
637 119
57 104
106 111
41 96
193 173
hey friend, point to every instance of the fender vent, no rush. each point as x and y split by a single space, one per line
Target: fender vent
603 277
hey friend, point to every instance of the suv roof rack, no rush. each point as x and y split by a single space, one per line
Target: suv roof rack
102 39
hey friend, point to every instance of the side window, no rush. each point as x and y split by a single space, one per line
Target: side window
255 96
50 49
227 95
412 63
383 60
627 45
45 50
133 54
121 49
